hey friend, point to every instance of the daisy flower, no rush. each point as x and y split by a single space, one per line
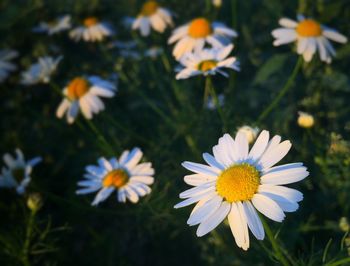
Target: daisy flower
129 178
250 132
16 173
237 182
197 33
83 93
5 63
305 120
41 71
310 36
207 62
153 16
92 30
60 24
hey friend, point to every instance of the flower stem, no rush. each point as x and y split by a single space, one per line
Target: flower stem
26 245
100 136
283 91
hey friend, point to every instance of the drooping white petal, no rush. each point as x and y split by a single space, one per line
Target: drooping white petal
238 225
253 220
268 207
204 211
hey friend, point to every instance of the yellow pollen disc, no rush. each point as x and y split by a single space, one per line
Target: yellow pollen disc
238 183
309 28
18 173
206 65
77 88
90 21
116 178
149 8
199 28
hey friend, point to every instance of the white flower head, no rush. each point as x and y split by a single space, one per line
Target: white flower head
207 62
237 182
211 105
92 30
153 16
250 132
309 36
6 66
197 33
305 120
41 71
126 175
83 94
16 173
60 24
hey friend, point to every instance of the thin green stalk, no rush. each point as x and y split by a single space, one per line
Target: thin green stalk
99 135
26 245
283 91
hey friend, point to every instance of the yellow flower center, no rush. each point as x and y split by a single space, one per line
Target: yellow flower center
18 174
206 65
77 88
116 178
149 8
90 21
309 28
238 183
199 28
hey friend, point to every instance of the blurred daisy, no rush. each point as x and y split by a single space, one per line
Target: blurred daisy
60 24
16 173
153 16
41 71
237 182
250 132
5 63
217 3
310 36
207 62
129 178
93 30
84 94
153 52
211 105
305 120
197 33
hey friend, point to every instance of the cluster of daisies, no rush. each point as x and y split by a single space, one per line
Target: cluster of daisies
237 181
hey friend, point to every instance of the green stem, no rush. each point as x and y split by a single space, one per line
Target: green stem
283 91
26 245
99 135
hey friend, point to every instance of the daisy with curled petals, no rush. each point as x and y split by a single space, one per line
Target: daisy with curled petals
237 182
197 33
92 30
41 71
61 24
207 62
310 36
83 93
17 172
5 63
153 16
129 178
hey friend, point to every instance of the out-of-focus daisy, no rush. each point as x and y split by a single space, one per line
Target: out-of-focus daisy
83 94
250 132
237 182
129 178
60 24
16 173
305 120
92 30
5 63
153 16
197 33
310 36
41 71
211 102
207 62
153 52
217 3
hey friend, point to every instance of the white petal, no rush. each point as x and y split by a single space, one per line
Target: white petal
209 159
259 146
274 155
268 207
285 176
288 23
253 220
204 211
238 225
198 179
334 36
102 195
288 193
200 168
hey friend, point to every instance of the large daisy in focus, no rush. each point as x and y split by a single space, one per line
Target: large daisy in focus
237 182
92 30
17 172
6 66
83 93
310 36
129 178
197 33
60 24
153 16
207 62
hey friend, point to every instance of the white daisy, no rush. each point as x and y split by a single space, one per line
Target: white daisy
129 178
310 36
41 71
93 30
250 132
84 94
199 32
237 182
60 24
207 62
16 173
5 65
153 16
